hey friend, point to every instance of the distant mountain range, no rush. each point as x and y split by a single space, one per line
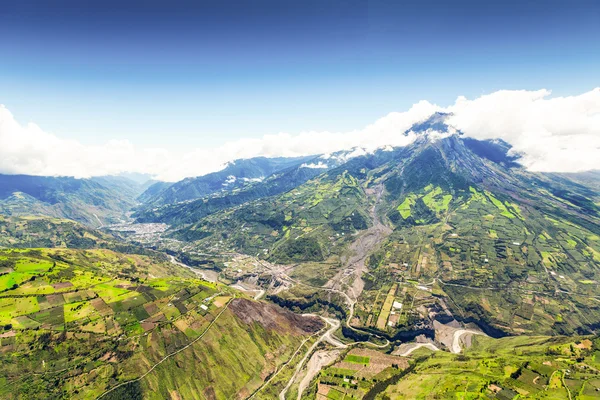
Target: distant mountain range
233 191
94 202
235 175
466 200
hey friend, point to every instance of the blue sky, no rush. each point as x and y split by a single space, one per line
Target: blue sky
180 74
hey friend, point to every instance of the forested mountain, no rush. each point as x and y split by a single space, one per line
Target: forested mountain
95 202
232 192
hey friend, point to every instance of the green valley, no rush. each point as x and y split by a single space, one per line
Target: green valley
442 269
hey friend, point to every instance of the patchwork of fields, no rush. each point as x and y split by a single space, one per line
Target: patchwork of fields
519 367
355 375
77 323
508 266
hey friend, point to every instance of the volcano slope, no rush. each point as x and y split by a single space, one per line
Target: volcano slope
513 251
472 236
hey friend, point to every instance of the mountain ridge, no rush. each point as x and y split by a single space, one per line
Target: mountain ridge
433 187
95 201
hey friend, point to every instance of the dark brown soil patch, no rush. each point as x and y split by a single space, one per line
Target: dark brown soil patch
62 285
273 317
101 306
146 326
209 393
151 308
158 318
55 299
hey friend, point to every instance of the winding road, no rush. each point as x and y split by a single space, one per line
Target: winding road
354 267
259 292
416 346
335 324
319 359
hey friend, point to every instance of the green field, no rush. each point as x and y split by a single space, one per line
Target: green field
90 319
78 310
357 359
386 308
404 207
531 367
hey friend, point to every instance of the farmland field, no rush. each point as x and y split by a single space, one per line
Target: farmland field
98 318
533 367
358 372
357 359
386 308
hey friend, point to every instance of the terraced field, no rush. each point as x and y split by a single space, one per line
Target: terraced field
502 264
509 368
434 246
355 375
491 242
90 323
386 308
520 367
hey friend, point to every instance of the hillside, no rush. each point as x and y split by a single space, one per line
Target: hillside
47 232
38 231
231 196
99 324
94 202
300 200
446 244
152 189
490 242
235 175
520 367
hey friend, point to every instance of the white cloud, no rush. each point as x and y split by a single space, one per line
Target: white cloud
260 179
319 165
27 149
555 134
560 134
230 179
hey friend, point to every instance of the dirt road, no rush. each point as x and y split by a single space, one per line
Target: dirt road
335 324
414 346
320 359
354 267
258 292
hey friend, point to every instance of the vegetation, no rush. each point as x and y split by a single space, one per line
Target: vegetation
236 175
79 322
43 231
520 367
444 231
530 240
359 374
309 223
93 202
